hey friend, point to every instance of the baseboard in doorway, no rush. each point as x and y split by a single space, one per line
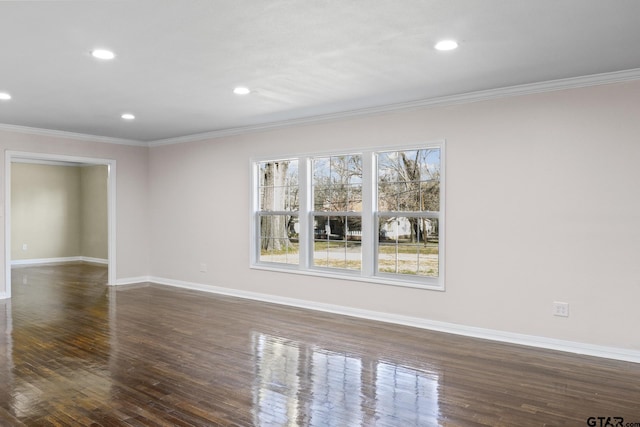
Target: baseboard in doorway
94 260
38 261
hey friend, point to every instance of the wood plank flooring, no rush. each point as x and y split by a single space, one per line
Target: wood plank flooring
74 352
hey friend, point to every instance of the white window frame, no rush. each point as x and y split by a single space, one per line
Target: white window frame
369 214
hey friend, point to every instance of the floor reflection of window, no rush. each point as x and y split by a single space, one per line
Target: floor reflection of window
277 382
405 396
336 382
301 384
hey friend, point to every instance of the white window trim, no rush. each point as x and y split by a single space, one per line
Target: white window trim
369 216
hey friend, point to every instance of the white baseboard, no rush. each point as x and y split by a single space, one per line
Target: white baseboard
452 328
132 280
36 261
94 260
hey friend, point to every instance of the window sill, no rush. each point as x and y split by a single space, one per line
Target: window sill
354 276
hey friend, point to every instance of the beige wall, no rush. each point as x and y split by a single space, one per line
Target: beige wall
542 206
93 211
132 255
45 211
58 211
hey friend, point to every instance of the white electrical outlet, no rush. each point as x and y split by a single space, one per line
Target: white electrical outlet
24 246
203 267
561 309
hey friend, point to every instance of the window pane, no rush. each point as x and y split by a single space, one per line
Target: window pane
387 196
355 169
321 198
337 183
321 185
354 198
279 239
337 242
430 195
338 198
409 180
408 245
278 189
321 170
408 196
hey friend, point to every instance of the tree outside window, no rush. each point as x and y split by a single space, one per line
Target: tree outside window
279 206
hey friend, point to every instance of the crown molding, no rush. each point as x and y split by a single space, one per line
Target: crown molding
70 135
465 98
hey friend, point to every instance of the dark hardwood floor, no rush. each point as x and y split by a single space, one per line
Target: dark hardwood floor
76 352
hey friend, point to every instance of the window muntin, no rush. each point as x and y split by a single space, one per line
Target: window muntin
376 215
278 193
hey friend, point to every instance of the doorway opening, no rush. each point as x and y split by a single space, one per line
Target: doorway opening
13 158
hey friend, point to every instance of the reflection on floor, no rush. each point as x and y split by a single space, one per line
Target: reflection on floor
76 352
331 386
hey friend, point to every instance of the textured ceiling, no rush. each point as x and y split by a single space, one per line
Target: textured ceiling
178 60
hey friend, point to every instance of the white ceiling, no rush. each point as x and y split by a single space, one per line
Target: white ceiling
178 60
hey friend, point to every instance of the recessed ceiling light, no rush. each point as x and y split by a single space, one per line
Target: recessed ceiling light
5 96
446 45
128 116
103 54
241 90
